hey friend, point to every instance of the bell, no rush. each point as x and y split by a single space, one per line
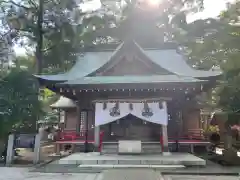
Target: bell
160 105
147 112
104 106
115 111
130 106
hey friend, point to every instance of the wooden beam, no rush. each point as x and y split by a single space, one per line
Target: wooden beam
133 100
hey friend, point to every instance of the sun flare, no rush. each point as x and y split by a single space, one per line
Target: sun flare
154 2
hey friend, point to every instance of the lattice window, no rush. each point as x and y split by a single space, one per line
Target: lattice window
83 117
62 116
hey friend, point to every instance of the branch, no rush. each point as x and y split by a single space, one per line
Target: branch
14 3
32 3
49 48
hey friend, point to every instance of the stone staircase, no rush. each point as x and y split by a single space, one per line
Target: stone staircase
109 147
151 148
147 148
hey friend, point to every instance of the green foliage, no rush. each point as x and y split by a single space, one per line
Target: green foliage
215 43
64 26
19 103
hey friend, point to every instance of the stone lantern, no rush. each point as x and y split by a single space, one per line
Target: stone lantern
62 105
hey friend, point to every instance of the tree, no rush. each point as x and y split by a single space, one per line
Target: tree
215 42
56 26
19 103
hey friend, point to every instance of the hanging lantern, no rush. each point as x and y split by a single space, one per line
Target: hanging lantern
104 106
160 104
115 111
130 106
147 112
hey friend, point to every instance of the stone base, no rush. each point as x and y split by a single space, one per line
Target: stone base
166 153
184 159
129 147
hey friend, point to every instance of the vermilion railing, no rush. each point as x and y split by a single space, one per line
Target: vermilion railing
161 142
73 135
101 134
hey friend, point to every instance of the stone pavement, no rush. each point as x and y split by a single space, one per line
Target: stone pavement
12 173
131 174
196 177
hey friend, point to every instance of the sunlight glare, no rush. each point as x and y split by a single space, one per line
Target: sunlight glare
154 2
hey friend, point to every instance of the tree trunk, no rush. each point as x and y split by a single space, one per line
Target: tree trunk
38 54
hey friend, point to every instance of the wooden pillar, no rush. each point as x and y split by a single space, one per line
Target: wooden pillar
165 140
78 124
97 136
165 135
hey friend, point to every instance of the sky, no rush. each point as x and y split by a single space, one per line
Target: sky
212 8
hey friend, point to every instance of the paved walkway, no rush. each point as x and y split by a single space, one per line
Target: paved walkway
24 174
195 177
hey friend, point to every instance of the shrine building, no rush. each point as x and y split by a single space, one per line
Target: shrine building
132 91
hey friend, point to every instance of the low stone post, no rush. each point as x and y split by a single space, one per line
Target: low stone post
10 150
37 149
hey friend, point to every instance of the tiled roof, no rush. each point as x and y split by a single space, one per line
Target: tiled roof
84 66
175 63
131 79
92 61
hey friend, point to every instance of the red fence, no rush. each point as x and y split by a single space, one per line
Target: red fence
73 135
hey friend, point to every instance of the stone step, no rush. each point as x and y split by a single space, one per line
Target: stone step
147 148
151 148
129 162
109 148
119 166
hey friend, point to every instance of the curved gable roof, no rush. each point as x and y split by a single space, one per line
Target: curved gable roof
175 63
85 65
91 62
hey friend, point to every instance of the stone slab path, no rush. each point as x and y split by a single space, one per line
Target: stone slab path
130 174
12 173
7 173
195 177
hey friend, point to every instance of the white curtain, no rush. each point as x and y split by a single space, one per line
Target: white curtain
102 116
159 113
